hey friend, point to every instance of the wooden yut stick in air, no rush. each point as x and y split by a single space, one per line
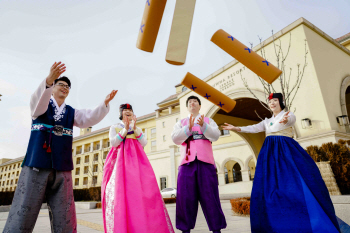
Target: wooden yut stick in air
210 93
246 56
180 32
151 20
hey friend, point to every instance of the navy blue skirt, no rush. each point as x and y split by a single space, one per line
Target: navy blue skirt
288 193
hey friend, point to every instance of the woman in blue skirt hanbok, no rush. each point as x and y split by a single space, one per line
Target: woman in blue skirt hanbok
288 193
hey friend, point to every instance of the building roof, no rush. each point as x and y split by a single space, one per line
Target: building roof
342 38
12 161
276 36
169 98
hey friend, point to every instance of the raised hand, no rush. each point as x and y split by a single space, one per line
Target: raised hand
110 96
56 70
191 122
231 127
134 120
285 118
201 120
126 122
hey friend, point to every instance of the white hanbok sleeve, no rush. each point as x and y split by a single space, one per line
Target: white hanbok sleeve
257 128
180 134
140 137
84 118
211 131
291 120
40 99
116 137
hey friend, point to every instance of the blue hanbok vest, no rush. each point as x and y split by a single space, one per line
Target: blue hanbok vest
51 139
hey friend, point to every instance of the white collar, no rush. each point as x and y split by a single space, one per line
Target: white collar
59 109
278 115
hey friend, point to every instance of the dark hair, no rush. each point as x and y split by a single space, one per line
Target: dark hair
192 97
64 79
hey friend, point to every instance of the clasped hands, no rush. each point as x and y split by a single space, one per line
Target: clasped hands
199 122
128 123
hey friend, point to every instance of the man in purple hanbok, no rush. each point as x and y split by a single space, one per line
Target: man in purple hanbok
197 179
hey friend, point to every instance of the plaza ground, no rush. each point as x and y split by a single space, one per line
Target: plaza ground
90 221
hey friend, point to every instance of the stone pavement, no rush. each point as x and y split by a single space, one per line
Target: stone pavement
90 221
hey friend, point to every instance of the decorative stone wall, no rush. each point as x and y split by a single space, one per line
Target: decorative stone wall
328 177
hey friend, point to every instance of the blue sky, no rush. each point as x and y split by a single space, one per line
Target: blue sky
97 41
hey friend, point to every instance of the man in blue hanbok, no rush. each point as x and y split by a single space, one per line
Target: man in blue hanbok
48 162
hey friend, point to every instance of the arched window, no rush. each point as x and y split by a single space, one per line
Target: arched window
237 174
184 88
226 175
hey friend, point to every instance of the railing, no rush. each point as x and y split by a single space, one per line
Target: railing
87 149
79 152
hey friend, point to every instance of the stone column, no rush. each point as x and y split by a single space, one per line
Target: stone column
173 166
170 110
221 177
157 114
245 175
101 141
82 149
74 152
91 146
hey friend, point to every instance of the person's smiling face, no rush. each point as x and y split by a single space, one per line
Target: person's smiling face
128 113
60 90
274 105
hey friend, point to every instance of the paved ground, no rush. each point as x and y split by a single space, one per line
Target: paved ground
90 221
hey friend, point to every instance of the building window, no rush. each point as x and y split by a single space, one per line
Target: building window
94 180
153 145
95 169
76 183
162 183
153 133
0 177
163 138
85 181
224 132
86 170
16 181
5 169
77 171
78 161
17 173
18 165
105 154
86 159
97 146
108 144
163 124
95 157
9 168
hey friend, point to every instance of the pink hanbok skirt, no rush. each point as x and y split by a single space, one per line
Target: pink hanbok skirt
131 200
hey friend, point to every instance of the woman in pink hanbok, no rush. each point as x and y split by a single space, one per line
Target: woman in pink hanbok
131 200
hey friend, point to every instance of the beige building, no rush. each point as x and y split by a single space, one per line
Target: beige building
9 173
323 99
